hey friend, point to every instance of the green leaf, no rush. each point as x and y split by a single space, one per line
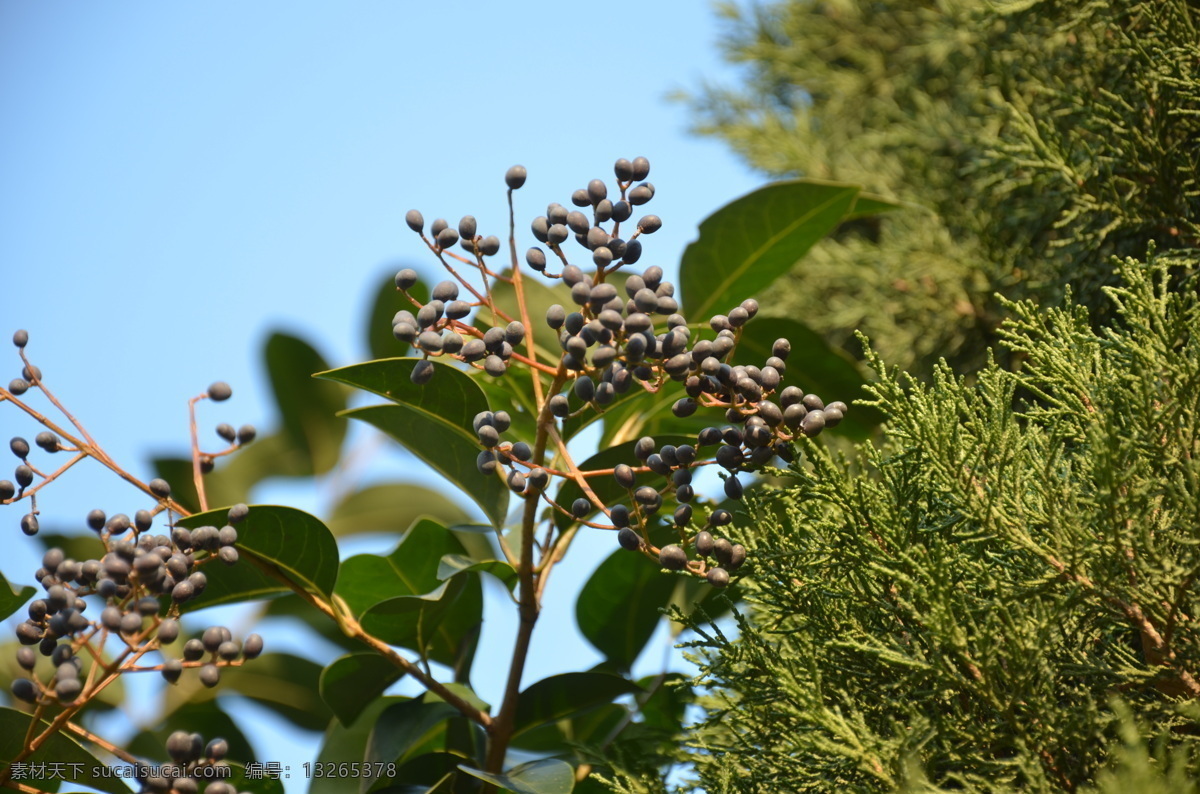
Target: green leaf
432 421
747 244
561 696
431 773
391 507
276 544
308 408
451 454
454 564
618 608
867 204
58 748
351 682
670 695
13 598
561 738
401 600
401 729
605 486
814 367
549 776
348 743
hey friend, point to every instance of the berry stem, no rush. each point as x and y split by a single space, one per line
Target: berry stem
100 742
501 730
90 448
47 478
54 400
197 475
519 289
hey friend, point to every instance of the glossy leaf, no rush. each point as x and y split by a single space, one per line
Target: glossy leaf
670 695
549 776
308 408
560 738
400 599
430 773
454 564
618 608
276 545
59 748
13 598
432 421
605 486
868 204
451 454
391 507
750 242
401 729
348 743
451 397
814 367
351 682
561 696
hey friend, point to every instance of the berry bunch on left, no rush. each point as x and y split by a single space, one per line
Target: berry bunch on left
97 618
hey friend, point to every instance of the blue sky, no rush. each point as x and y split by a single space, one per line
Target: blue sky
177 180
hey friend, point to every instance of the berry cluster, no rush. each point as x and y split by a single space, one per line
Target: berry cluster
131 579
193 763
137 584
219 392
611 343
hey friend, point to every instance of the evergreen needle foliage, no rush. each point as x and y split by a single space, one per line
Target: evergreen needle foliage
1044 139
974 602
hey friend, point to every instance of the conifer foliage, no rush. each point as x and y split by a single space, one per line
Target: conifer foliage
972 602
1042 138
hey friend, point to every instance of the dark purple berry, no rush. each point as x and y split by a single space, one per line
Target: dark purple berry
252 646
672 557
515 177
